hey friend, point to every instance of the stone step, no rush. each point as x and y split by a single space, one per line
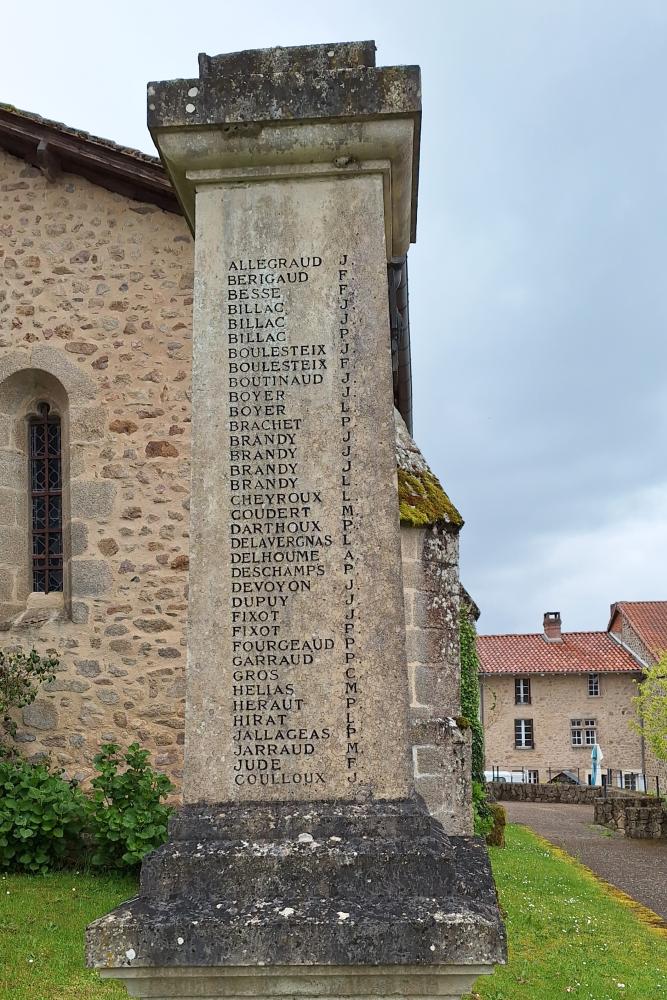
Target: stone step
390 820
300 869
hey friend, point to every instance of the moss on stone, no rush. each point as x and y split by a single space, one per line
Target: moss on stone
422 500
496 836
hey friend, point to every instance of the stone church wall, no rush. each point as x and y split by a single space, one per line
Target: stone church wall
95 305
95 319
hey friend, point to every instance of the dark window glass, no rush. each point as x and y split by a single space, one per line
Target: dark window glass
46 501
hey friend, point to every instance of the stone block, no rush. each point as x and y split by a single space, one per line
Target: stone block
13 470
92 499
412 540
7 584
80 613
437 687
91 716
59 684
123 426
90 577
88 668
13 546
424 646
108 546
108 697
414 577
116 471
41 715
161 449
314 982
441 546
86 423
435 610
79 386
24 737
79 537
153 624
120 646
8 502
79 460
428 761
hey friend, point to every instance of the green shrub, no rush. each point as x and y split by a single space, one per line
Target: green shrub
126 814
481 811
41 817
20 676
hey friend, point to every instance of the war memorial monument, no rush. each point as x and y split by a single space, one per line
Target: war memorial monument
301 864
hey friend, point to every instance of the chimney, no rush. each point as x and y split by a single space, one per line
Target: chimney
552 625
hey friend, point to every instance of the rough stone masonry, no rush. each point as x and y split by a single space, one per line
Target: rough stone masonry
301 862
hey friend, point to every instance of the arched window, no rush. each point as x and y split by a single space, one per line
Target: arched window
46 501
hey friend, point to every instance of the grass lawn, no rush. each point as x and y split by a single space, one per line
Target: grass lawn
568 936
42 922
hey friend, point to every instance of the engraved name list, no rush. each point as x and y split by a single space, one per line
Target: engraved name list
291 554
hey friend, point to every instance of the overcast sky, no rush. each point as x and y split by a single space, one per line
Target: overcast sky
538 287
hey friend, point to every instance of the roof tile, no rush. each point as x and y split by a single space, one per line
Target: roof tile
578 653
649 620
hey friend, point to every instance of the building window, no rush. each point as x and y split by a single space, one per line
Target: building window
522 691
46 502
583 733
594 685
630 781
533 777
523 734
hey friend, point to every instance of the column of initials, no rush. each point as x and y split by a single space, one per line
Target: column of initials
346 364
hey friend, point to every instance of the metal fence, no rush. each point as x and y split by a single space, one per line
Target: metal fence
631 781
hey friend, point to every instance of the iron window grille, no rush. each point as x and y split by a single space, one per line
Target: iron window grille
523 734
594 685
522 690
46 501
583 734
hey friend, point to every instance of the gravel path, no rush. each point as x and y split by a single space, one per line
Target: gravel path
638 867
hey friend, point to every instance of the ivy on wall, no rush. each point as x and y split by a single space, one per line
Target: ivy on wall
470 689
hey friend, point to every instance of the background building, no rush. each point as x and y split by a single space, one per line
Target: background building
548 697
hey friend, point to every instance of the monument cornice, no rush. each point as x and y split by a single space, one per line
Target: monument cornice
249 110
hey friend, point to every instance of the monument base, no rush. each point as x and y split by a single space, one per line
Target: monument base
316 899
307 982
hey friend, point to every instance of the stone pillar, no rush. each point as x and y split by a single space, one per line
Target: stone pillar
302 862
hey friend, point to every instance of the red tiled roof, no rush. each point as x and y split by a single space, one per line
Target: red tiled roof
578 653
648 619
